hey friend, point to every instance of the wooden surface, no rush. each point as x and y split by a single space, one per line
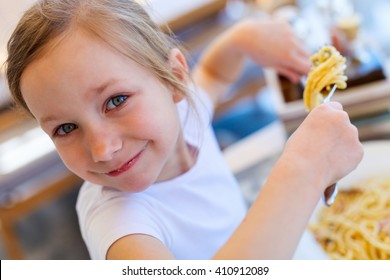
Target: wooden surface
11 212
180 14
10 118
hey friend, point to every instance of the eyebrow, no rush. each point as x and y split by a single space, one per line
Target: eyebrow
47 119
92 91
102 87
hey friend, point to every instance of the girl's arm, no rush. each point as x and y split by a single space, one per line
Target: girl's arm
268 42
324 149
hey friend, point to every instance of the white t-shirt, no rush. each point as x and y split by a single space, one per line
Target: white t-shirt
192 215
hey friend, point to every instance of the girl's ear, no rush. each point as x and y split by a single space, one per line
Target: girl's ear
179 67
178 64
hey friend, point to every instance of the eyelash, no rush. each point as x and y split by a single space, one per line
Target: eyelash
61 127
123 98
57 132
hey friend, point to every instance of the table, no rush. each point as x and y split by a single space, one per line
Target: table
26 184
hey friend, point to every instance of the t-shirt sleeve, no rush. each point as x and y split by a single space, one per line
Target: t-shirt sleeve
111 217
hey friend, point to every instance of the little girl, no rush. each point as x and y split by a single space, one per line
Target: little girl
114 94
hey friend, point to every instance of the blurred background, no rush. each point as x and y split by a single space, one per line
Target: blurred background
38 194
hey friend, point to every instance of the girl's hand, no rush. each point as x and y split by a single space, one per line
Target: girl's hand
326 144
273 43
268 42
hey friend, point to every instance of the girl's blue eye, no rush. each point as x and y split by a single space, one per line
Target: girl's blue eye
65 129
115 102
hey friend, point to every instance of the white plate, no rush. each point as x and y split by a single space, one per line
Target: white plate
376 162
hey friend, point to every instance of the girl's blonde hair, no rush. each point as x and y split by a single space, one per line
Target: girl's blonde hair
123 24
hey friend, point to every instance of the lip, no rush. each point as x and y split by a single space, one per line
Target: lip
126 166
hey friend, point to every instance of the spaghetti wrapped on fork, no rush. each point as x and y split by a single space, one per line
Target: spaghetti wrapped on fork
328 67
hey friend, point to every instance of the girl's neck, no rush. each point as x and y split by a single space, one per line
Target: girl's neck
184 159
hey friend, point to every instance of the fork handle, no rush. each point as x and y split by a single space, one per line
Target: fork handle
330 194
331 191
329 96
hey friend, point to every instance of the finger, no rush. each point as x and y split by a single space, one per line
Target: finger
292 75
302 50
335 105
332 105
302 63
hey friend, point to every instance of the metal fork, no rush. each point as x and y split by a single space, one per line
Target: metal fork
331 191
329 96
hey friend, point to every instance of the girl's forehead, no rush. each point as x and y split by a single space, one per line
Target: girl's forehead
52 44
78 44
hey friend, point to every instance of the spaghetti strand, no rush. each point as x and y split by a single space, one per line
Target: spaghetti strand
328 67
357 226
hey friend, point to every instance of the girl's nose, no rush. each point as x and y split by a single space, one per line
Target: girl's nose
103 146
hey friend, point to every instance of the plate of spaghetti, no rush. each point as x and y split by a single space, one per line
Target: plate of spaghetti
357 225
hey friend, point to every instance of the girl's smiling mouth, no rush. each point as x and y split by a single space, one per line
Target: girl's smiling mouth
129 164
